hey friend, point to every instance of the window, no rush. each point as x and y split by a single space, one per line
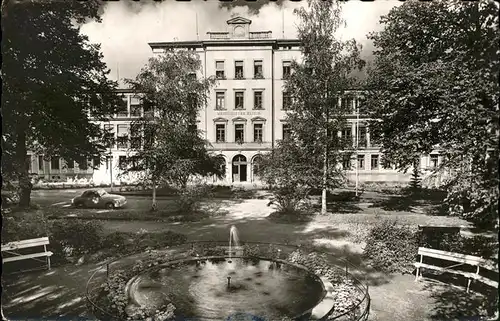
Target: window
374 162
386 164
346 162
135 107
122 162
347 103
257 166
375 139
149 135
239 133
70 164
238 69
346 135
219 70
257 133
220 133
238 100
54 163
97 161
287 69
434 160
220 100
123 108
287 100
82 164
40 163
109 135
257 69
257 99
362 136
122 140
135 137
148 110
286 131
361 161
28 163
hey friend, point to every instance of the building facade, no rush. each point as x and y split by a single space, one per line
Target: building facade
244 116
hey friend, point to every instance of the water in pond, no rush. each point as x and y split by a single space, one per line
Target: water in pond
262 288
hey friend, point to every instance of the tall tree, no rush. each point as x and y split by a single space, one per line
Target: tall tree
317 82
172 95
53 80
434 85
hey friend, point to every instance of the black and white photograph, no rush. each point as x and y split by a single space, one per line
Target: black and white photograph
239 160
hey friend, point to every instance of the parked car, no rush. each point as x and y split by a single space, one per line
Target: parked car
98 199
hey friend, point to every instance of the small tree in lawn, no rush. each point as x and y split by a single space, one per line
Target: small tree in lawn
434 85
173 149
315 86
415 180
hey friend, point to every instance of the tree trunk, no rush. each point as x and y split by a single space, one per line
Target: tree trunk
154 206
325 177
22 170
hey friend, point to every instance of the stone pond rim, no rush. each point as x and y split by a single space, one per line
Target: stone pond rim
320 309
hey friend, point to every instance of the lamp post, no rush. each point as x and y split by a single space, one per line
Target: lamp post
357 146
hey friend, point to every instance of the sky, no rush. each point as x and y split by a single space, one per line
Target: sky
127 27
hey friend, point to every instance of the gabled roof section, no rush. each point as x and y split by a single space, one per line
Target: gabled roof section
238 20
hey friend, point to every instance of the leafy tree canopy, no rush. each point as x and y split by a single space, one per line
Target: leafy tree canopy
53 81
434 85
315 85
174 149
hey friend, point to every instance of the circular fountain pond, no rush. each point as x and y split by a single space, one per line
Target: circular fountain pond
217 287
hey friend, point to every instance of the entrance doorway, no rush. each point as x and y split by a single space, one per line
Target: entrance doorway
239 168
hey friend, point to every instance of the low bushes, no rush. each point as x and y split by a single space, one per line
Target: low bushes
391 247
190 199
290 200
72 239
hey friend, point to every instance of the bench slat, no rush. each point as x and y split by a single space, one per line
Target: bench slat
450 256
428 266
25 244
490 282
27 256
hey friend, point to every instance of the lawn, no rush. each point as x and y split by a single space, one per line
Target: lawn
342 233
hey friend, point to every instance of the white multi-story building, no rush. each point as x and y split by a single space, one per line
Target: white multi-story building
244 116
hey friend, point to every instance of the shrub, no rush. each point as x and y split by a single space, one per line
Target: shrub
118 241
290 200
190 198
79 237
391 247
24 226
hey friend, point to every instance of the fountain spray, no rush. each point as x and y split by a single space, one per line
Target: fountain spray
233 235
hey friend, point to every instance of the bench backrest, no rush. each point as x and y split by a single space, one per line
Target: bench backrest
456 257
25 244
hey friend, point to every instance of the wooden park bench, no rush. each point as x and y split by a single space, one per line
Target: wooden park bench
459 260
13 248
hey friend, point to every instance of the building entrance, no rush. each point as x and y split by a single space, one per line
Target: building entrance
239 168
